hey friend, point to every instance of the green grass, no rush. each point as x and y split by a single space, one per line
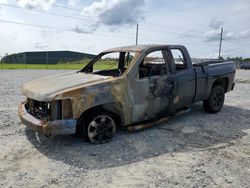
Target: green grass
66 66
75 66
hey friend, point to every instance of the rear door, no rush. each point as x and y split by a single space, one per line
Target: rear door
182 76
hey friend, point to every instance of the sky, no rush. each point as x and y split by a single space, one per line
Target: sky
92 26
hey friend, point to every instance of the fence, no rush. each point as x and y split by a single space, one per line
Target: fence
50 63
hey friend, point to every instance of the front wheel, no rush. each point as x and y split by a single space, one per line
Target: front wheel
99 128
216 100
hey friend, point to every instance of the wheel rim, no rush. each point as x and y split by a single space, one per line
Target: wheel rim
218 99
101 129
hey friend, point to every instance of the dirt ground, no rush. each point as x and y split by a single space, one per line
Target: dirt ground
193 150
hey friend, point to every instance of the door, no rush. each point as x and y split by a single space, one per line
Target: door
150 88
182 76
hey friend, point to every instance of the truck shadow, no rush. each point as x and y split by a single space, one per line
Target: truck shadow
193 131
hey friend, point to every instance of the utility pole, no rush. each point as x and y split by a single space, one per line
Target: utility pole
221 34
137 29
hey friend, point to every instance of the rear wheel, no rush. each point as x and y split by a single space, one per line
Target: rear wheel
216 100
99 128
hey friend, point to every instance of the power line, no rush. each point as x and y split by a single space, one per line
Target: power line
164 15
68 30
61 6
144 10
71 30
172 42
165 27
33 25
236 40
89 19
80 10
40 11
59 29
46 12
62 29
173 33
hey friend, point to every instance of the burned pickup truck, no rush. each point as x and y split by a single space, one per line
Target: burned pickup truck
124 87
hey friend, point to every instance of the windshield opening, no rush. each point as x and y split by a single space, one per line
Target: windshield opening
110 64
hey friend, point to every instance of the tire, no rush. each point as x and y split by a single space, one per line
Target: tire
99 128
216 100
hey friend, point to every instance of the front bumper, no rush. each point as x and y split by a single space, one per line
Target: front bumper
48 128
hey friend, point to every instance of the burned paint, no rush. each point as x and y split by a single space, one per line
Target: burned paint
47 128
55 104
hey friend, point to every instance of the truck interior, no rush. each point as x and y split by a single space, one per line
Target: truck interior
159 62
162 62
110 64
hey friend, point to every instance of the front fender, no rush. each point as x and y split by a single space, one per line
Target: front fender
103 94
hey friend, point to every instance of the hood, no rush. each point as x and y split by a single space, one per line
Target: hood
45 88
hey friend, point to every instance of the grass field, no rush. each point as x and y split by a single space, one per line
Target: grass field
42 66
72 65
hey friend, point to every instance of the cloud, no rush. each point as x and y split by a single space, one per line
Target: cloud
215 26
13 36
86 30
214 35
237 35
214 30
41 45
73 2
49 33
187 35
114 12
36 4
2 2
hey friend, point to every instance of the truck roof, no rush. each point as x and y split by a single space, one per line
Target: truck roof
137 48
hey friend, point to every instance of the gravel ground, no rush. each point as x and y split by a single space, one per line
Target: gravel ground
193 150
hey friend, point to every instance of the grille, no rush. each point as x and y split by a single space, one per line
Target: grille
55 110
40 110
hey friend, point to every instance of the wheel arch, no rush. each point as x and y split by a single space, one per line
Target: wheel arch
223 82
114 108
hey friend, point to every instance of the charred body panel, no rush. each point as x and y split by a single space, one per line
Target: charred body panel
110 95
57 103
46 127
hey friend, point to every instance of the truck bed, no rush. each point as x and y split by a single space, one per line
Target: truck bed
206 72
207 62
